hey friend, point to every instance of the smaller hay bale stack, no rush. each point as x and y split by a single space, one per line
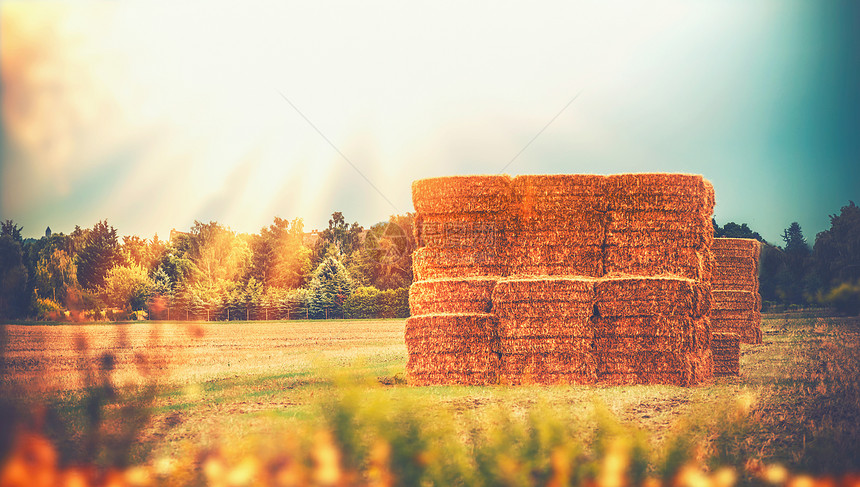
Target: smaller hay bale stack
452 348
726 348
545 333
736 301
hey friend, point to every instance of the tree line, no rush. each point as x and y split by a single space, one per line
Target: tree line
210 272
344 271
795 274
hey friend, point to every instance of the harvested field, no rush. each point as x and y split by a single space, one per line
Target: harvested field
794 402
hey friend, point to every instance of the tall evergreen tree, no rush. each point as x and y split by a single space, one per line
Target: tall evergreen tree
330 287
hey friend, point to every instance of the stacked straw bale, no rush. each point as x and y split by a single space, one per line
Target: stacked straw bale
736 301
726 348
561 279
545 330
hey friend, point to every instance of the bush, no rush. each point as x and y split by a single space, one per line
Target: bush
362 303
46 309
845 298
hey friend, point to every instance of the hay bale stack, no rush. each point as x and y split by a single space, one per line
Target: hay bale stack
736 301
658 224
561 279
558 225
455 348
651 330
726 348
545 333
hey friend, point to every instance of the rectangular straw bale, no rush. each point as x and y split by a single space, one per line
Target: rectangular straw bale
465 231
644 361
452 378
734 299
549 193
476 326
435 263
665 192
543 345
557 237
654 237
451 345
737 247
459 194
543 289
465 295
649 325
656 260
439 363
568 222
547 363
726 350
648 296
534 258
514 326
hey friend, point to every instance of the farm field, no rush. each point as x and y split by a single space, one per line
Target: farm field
240 384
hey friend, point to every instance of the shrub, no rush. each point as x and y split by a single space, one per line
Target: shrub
46 309
362 303
845 298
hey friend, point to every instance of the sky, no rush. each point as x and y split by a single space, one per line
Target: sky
155 114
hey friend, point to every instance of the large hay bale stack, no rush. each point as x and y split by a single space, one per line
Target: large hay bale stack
587 278
726 348
736 301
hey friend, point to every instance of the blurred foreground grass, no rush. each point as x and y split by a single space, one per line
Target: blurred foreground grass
349 419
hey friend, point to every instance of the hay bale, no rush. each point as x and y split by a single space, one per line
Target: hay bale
462 194
435 263
662 192
464 231
465 295
443 344
727 353
631 296
656 260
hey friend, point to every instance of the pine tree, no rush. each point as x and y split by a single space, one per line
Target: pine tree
330 287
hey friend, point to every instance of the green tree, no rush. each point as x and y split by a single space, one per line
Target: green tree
127 287
13 276
734 230
56 276
329 288
837 250
280 258
836 260
8 227
345 237
100 253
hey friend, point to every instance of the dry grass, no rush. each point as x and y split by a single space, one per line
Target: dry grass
230 389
